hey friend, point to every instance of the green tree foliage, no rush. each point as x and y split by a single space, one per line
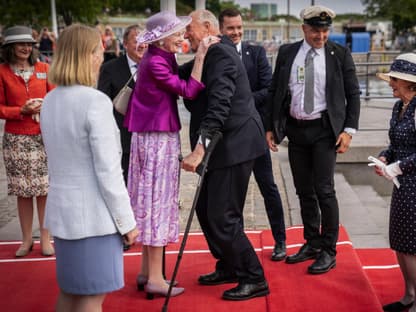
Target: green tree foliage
37 13
23 13
401 12
215 6
132 7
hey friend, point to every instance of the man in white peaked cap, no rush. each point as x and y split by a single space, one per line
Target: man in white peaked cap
314 100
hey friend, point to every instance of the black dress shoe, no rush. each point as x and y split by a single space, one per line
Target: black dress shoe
305 252
279 251
217 278
323 263
246 291
397 306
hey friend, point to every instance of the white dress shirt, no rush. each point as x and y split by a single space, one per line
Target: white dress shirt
133 67
297 83
239 49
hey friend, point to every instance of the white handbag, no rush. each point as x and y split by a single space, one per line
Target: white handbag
121 101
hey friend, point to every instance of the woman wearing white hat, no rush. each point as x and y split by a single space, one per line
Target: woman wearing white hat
153 118
400 160
23 85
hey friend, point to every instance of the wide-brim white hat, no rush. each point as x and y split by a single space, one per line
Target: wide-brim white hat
403 67
16 34
162 25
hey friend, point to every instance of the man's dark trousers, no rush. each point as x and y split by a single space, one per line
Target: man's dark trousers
312 157
263 173
225 235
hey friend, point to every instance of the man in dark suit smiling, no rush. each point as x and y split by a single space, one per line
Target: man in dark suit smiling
227 106
314 100
259 75
113 76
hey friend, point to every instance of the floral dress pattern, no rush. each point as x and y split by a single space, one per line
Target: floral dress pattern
153 185
26 165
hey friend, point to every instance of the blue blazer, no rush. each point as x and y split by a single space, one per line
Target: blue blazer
259 73
226 105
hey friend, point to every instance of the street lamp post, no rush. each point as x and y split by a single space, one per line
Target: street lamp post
168 5
54 22
288 22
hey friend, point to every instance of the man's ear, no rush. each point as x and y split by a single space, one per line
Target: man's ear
207 26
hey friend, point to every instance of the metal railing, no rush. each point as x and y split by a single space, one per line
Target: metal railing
368 64
364 63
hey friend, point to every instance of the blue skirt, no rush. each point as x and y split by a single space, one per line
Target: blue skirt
90 266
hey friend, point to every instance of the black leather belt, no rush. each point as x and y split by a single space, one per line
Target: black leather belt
303 123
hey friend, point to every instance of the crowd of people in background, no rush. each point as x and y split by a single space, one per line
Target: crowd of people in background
62 147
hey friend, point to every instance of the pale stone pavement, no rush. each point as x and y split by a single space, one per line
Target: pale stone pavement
364 216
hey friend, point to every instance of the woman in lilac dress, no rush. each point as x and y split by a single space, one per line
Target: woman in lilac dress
153 118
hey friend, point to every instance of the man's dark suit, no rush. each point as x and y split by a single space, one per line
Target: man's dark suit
259 75
341 88
226 105
113 76
313 164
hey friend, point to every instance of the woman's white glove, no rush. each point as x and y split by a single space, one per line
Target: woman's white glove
393 170
390 172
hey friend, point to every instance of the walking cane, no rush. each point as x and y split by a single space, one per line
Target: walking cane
202 169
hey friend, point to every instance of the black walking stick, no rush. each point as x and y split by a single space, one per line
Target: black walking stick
201 170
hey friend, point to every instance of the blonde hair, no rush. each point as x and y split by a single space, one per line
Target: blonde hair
72 62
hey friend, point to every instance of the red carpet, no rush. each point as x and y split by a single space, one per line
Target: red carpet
381 268
29 284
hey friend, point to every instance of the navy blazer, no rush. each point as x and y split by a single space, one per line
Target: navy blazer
259 73
113 76
226 105
342 89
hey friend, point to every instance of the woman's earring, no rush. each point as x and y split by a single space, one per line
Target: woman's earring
161 43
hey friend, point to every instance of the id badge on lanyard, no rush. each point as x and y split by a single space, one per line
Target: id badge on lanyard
300 74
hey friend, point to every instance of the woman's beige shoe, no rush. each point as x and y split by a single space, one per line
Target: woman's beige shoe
21 252
48 251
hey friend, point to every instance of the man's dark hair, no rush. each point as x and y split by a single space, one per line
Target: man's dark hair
230 12
129 29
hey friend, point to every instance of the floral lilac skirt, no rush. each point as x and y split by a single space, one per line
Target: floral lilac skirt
26 166
153 186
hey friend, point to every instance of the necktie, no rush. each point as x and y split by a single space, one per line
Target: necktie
135 67
309 82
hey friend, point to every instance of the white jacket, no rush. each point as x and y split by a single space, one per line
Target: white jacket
87 196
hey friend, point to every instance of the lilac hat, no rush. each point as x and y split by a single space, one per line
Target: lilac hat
162 25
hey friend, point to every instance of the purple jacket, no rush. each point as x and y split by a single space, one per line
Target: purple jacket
153 105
